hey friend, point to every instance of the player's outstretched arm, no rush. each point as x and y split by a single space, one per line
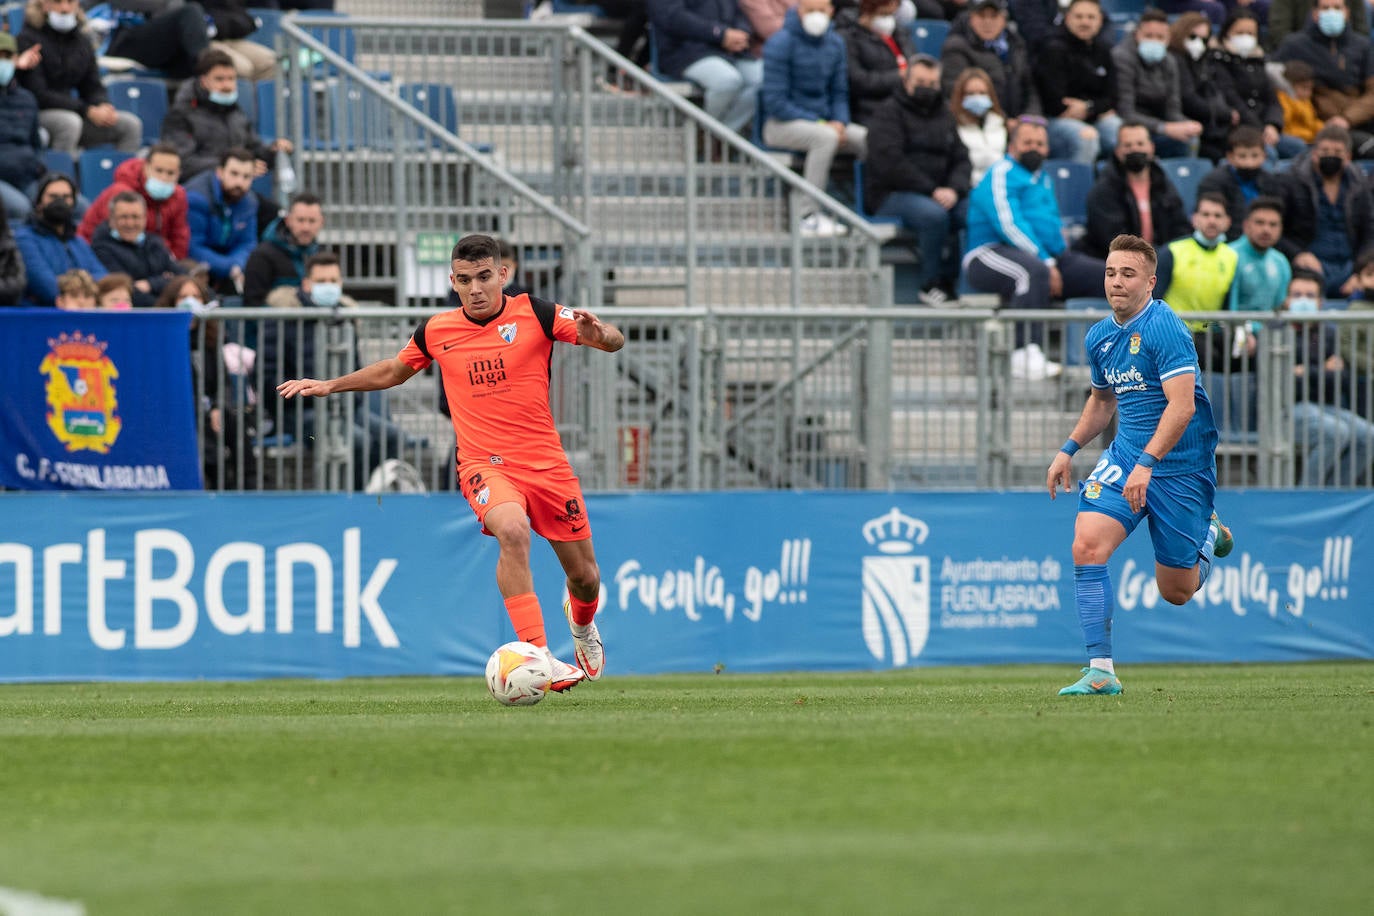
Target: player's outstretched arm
595 333
385 373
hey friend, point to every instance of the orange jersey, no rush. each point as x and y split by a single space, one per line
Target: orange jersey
496 376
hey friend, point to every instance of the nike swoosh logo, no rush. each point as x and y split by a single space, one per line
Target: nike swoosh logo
447 346
577 528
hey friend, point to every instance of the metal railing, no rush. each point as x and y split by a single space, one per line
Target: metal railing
796 399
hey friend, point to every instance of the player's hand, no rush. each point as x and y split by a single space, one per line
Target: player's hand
1136 485
305 387
1061 472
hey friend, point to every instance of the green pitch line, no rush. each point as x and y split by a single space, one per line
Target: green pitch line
1203 789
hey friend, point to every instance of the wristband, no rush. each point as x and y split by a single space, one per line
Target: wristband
1146 460
1070 448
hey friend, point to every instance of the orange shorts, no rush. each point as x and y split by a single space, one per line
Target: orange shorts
552 499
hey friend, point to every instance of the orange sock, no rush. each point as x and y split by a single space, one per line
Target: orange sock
582 611
527 618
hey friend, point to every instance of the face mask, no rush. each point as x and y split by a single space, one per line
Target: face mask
1247 175
140 238
62 22
815 23
1242 45
1302 304
1152 52
1204 241
57 213
120 305
225 98
1196 47
925 96
6 72
1331 22
1136 162
326 294
1330 166
158 189
191 304
884 25
978 105
1031 160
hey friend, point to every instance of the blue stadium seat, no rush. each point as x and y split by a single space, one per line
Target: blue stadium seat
56 160
1186 172
15 17
1071 180
436 101
248 100
563 8
1074 353
269 128
929 35
96 168
146 98
269 24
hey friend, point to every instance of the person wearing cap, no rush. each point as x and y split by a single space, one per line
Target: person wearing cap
806 99
21 162
980 38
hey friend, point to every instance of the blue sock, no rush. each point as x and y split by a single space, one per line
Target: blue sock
1093 587
1204 556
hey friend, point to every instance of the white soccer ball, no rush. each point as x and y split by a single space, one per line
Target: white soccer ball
518 674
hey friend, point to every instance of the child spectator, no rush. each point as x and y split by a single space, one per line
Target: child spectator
1299 114
115 292
76 291
1240 178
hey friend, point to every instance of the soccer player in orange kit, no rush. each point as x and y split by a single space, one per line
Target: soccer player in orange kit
493 355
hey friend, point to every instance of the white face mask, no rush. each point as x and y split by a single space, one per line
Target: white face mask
815 23
1196 47
883 25
62 22
1242 45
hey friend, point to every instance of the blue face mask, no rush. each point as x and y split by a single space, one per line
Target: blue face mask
1152 52
141 238
1302 304
225 98
1331 22
6 72
977 105
158 189
1205 242
326 294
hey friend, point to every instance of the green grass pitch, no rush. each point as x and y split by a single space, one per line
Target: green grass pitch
1203 789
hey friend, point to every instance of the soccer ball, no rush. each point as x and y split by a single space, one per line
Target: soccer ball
518 674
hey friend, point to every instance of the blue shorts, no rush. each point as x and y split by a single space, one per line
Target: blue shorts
1179 508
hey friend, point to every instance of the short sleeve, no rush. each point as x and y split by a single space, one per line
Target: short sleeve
412 356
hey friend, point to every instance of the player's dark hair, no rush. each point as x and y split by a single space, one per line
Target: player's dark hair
1133 123
1244 137
211 58
321 259
474 248
1210 197
1152 15
305 199
1265 202
1136 245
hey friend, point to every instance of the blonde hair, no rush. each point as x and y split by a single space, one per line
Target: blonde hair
76 282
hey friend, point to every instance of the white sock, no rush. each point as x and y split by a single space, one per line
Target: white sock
579 629
1102 664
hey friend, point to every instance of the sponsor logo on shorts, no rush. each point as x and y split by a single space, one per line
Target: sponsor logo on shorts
483 495
572 512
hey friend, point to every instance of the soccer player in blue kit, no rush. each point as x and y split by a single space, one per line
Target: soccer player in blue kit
1145 365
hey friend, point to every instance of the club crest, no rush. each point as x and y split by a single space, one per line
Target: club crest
81 393
507 332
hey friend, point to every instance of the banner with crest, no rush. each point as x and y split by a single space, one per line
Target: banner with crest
94 400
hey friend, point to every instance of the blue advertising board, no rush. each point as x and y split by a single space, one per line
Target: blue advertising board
178 586
97 400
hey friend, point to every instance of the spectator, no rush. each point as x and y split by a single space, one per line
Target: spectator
1357 340
1016 244
1037 21
234 23
206 121
1261 281
919 172
1299 113
1205 97
1342 62
765 19
707 42
1147 87
981 39
154 178
1132 195
279 259
115 292
1241 178
288 349
806 99
1241 62
1287 17
21 159
1328 212
12 275
1202 266
76 291
1076 79
223 217
49 244
123 244
1336 446
166 35
982 123
73 106
878 54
